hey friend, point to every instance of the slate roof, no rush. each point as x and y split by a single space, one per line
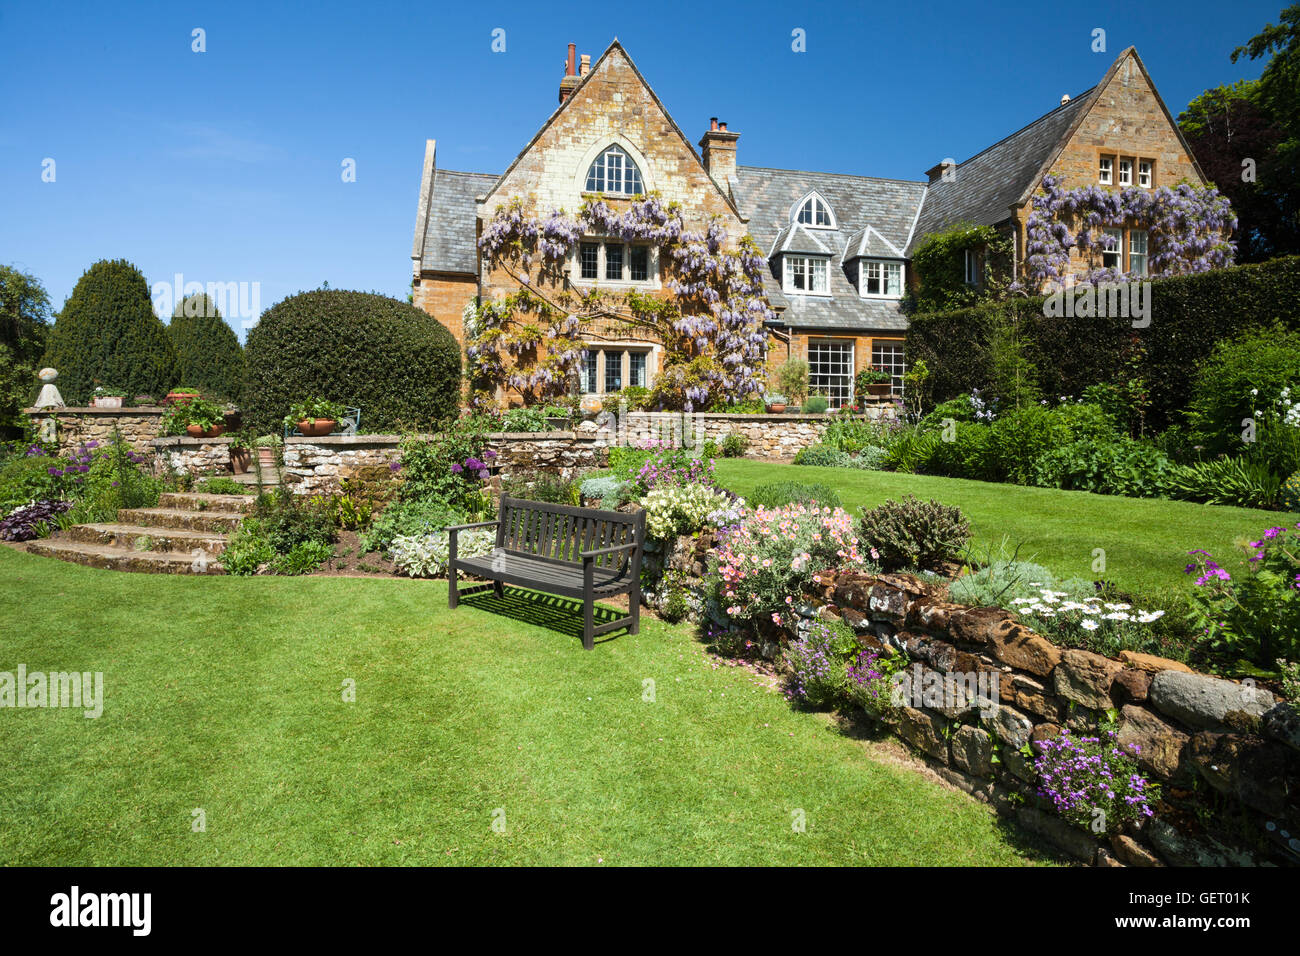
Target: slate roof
879 211
451 223
986 185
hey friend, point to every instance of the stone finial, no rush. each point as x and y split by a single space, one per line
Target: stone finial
49 397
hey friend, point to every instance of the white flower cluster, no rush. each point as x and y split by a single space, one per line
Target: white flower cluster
680 509
425 555
1091 611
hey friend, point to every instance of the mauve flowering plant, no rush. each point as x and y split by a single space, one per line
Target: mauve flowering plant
1093 782
1255 614
765 561
871 680
817 661
35 520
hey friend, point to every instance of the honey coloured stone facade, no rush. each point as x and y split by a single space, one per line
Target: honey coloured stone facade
838 245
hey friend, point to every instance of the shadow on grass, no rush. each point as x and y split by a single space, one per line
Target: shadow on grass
560 614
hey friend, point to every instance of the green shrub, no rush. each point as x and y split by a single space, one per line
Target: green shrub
220 486
1289 495
818 663
1240 376
525 420
394 361
1021 437
915 534
1227 481
791 379
821 456
542 486
24 479
24 331
734 445
208 354
412 518
610 490
303 558
779 493
247 549
816 405
637 398
999 583
108 334
1118 466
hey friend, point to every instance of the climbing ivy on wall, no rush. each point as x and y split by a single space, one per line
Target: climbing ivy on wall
940 267
1188 229
712 332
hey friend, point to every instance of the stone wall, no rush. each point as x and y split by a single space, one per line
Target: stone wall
137 426
770 436
1226 754
319 465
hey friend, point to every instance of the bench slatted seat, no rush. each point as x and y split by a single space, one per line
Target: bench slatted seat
581 553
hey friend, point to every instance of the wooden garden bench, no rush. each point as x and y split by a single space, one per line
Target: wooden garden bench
573 552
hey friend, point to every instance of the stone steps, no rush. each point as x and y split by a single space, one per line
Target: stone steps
185 534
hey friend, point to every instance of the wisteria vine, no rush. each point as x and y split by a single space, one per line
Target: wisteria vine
713 332
1188 229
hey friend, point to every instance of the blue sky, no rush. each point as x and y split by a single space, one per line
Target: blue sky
225 166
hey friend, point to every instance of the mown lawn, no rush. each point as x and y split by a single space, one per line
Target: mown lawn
1145 540
226 694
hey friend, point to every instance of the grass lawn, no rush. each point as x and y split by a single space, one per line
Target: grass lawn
225 694
1146 540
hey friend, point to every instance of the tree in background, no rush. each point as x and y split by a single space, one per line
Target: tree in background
108 335
208 354
1247 139
24 328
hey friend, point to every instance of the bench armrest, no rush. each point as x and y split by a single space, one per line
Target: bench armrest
590 555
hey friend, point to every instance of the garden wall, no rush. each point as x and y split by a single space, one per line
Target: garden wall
313 465
770 436
1226 754
137 426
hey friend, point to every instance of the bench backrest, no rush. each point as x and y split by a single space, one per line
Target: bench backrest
560 533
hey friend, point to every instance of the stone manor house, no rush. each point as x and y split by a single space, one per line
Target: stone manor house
838 244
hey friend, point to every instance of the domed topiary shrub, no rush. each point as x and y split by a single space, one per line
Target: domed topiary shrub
396 362
208 354
108 334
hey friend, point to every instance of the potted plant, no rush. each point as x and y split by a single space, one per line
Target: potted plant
875 382
107 398
239 453
315 417
144 400
776 403
203 419
266 446
182 396
557 416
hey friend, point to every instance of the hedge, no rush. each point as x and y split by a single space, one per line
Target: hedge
208 354
1189 314
393 360
108 335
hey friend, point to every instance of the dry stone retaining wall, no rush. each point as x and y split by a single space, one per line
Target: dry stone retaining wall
137 426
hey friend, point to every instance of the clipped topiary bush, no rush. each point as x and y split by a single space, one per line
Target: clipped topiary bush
394 361
208 354
108 335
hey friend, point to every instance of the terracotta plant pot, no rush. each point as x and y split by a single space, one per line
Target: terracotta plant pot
881 390
239 460
179 398
776 408
196 431
266 456
317 427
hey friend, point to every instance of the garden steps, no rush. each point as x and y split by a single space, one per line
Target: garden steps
185 534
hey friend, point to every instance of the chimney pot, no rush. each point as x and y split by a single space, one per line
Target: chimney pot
585 64
722 127
713 123
568 63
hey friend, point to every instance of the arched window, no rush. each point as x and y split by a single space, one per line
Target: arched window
814 212
614 172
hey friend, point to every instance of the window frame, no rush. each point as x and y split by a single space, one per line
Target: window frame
885 266
896 377
596 368
788 261
1115 233
628 166
840 393
1124 176
1106 170
1149 173
815 200
974 274
602 244
1144 255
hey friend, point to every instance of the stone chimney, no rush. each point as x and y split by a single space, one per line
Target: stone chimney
569 82
945 169
585 66
1065 98
719 150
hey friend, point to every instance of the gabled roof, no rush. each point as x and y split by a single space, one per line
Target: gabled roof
884 209
573 96
450 228
985 186
869 243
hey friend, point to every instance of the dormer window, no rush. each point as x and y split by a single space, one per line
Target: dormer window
880 279
815 213
614 173
806 275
